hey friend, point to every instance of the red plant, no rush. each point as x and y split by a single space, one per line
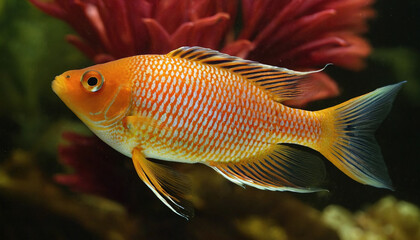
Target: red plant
87 155
297 34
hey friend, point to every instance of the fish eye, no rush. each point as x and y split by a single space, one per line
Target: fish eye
92 80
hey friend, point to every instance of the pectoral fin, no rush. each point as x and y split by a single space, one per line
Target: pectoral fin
169 186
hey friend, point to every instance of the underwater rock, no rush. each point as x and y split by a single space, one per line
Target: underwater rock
223 211
251 213
386 219
261 228
342 220
22 183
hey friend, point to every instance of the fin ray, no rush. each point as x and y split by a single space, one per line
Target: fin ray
280 83
281 168
350 144
169 186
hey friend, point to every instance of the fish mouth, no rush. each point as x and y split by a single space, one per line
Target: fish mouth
57 85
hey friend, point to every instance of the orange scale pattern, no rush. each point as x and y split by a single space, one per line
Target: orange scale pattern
202 113
299 127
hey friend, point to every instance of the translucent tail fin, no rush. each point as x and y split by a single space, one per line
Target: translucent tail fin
348 136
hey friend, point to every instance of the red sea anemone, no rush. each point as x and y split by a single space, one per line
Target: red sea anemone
86 155
297 34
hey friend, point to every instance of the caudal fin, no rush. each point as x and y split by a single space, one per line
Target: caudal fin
348 136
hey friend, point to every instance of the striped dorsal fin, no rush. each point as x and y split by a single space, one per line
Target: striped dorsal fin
280 83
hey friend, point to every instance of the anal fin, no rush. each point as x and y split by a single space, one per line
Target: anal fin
281 168
170 187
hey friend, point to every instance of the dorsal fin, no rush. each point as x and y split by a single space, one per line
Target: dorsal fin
280 83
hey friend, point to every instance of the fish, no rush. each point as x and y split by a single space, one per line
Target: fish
197 105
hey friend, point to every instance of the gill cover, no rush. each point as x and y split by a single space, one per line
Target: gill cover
116 99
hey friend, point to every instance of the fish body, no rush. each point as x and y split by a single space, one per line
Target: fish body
198 113
196 105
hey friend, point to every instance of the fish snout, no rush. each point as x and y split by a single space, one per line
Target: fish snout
58 84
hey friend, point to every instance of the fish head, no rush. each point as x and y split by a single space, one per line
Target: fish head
98 95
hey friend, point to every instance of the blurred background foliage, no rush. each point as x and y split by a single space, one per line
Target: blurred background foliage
33 51
32 118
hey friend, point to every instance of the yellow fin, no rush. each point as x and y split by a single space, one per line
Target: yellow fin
281 168
170 186
348 139
280 83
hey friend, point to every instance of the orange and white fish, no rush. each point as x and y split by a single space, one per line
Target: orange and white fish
196 105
